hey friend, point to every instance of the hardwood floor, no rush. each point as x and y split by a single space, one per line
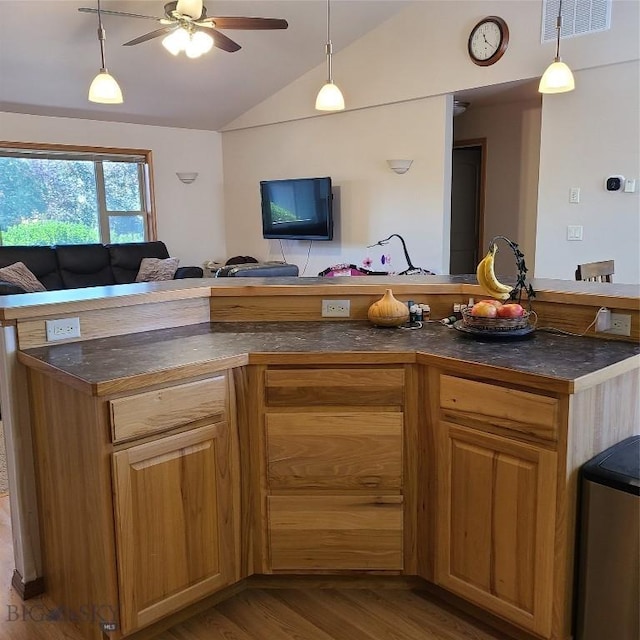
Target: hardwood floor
265 613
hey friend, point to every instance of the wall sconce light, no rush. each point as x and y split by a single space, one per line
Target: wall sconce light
186 178
399 166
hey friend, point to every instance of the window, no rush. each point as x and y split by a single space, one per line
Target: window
74 195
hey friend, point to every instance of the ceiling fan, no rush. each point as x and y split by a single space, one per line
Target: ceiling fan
188 28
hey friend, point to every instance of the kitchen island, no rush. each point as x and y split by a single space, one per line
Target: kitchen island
194 456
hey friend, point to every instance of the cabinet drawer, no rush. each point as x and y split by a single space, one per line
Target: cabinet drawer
334 450
145 413
315 387
469 402
335 532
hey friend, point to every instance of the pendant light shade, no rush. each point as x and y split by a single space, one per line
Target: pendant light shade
558 77
330 97
104 88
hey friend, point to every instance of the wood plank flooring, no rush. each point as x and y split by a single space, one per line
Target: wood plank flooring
265 613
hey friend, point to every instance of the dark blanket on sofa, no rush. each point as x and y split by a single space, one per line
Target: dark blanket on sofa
86 265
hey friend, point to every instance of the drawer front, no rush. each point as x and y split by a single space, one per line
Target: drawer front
469 402
315 387
335 532
348 450
145 413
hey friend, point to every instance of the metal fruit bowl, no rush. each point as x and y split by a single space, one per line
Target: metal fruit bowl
496 324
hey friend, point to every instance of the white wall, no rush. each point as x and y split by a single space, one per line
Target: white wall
371 201
512 133
594 132
190 217
420 55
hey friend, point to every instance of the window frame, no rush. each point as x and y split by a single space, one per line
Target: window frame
107 153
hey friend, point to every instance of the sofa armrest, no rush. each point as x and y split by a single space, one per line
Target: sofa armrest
9 289
188 272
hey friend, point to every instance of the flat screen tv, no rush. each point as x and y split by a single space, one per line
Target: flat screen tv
297 209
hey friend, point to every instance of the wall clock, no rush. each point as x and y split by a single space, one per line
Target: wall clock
488 41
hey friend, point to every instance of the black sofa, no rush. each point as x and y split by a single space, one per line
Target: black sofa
86 265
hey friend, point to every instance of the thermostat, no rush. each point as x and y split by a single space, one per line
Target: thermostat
614 183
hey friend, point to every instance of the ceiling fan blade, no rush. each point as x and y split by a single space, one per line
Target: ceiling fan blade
239 22
150 35
116 13
223 42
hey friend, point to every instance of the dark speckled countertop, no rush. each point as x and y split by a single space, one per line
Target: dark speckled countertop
552 361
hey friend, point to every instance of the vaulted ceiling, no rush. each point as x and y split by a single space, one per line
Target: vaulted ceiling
49 53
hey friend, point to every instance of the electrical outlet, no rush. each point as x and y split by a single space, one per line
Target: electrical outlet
620 324
336 308
62 329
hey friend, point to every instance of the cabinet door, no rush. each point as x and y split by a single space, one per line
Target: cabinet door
174 522
496 518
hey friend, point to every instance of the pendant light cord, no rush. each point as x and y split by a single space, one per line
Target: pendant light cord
329 46
558 30
101 38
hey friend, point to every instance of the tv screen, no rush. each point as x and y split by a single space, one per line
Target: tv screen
297 209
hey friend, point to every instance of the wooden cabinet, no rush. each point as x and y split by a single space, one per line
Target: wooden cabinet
496 500
333 460
174 522
142 493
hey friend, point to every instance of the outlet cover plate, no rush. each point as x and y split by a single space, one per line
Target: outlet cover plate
62 329
336 308
620 324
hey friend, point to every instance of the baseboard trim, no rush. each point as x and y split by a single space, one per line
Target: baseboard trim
27 590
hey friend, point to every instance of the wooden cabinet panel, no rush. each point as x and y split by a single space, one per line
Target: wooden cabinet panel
145 413
335 532
468 401
347 450
345 386
174 522
496 519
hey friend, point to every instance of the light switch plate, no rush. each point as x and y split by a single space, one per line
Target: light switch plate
574 232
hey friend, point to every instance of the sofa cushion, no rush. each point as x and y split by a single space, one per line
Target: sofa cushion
126 258
41 261
20 275
155 269
84 265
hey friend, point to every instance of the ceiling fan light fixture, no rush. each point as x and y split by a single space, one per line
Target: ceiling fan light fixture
104 89
176 41
330 98
199 44
191 8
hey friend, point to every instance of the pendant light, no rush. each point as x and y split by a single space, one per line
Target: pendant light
329 97
104 88
558 77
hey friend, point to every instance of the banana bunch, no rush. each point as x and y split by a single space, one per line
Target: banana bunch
487 277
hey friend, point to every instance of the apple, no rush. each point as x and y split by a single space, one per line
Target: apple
496 303
511 310
484 309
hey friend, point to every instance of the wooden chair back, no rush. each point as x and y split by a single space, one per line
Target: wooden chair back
595 271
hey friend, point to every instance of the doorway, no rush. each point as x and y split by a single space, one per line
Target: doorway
467 205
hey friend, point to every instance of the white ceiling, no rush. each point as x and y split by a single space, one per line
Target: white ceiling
49 53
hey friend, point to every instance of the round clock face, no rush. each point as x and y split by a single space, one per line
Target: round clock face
488 40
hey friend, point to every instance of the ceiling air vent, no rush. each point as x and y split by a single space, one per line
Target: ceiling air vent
578 17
